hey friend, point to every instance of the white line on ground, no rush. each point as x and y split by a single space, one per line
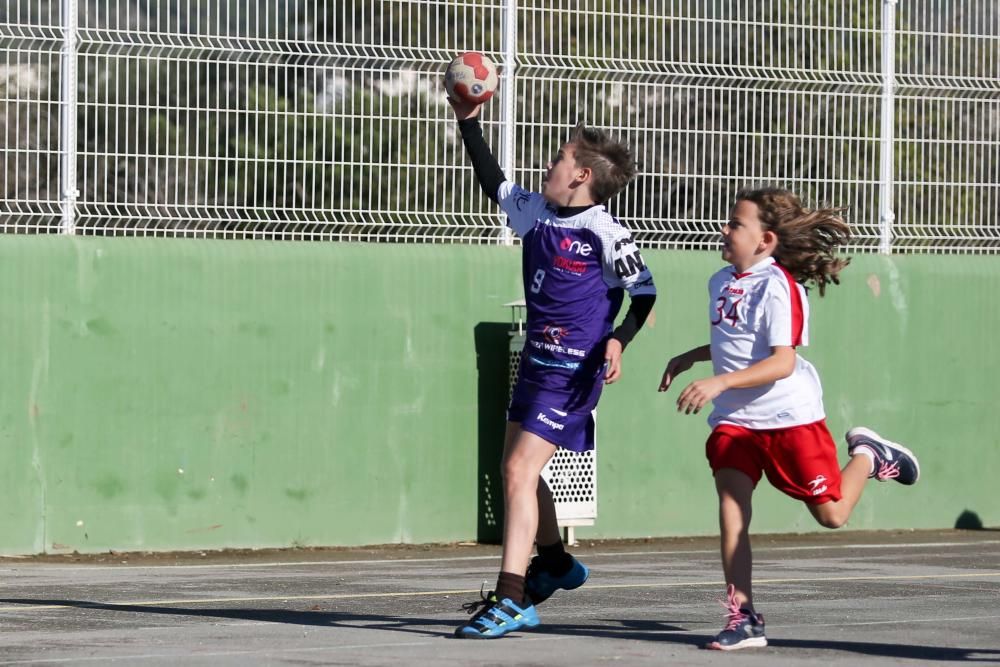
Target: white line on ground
899 621
598 554
408 594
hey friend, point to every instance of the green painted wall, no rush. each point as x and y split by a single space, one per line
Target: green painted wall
181 394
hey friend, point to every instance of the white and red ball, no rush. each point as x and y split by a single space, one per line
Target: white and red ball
471 77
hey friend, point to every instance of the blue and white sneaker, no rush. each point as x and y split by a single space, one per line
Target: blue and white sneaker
495 618
892 460
540 584
744 630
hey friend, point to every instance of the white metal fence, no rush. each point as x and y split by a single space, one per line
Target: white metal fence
324 119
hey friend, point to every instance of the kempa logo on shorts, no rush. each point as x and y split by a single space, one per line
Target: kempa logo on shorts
815 485
548 422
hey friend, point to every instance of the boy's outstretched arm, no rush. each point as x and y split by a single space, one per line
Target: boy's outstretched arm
487 169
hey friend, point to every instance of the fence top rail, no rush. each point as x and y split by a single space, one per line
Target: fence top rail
325 120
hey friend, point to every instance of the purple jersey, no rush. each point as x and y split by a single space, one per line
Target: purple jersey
576 271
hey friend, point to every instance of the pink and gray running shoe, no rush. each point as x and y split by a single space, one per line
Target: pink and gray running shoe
744 630
892 460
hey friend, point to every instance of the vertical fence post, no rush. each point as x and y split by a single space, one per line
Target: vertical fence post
508 44
67 118
886 214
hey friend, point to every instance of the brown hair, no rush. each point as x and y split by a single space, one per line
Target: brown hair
807 238
611 162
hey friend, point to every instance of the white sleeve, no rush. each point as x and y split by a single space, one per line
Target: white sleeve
623 265
785 318
523 207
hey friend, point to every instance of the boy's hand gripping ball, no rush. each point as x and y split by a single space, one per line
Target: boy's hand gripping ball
471 77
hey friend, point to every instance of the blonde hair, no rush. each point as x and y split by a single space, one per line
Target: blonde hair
611 162
807 238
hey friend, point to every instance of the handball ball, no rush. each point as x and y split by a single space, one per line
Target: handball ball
471 77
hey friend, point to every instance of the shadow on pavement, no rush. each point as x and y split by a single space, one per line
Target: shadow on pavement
318 618
641 630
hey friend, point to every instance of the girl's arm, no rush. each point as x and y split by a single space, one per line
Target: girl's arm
779 365
683 362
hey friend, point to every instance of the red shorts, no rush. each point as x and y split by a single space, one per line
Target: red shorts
800 461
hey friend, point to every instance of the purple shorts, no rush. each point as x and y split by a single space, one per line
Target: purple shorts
569 430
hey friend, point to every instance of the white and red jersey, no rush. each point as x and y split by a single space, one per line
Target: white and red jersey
750 313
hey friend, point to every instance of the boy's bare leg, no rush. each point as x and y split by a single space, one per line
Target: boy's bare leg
525 454
735 491
835 514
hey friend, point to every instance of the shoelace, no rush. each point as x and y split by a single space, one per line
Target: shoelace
733 611
887 471
479 606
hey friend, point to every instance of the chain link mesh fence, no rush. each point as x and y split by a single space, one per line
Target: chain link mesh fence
325 119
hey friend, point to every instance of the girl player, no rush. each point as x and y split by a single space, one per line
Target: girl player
768 416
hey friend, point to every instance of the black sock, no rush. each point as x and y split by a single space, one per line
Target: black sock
554 559
510 586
